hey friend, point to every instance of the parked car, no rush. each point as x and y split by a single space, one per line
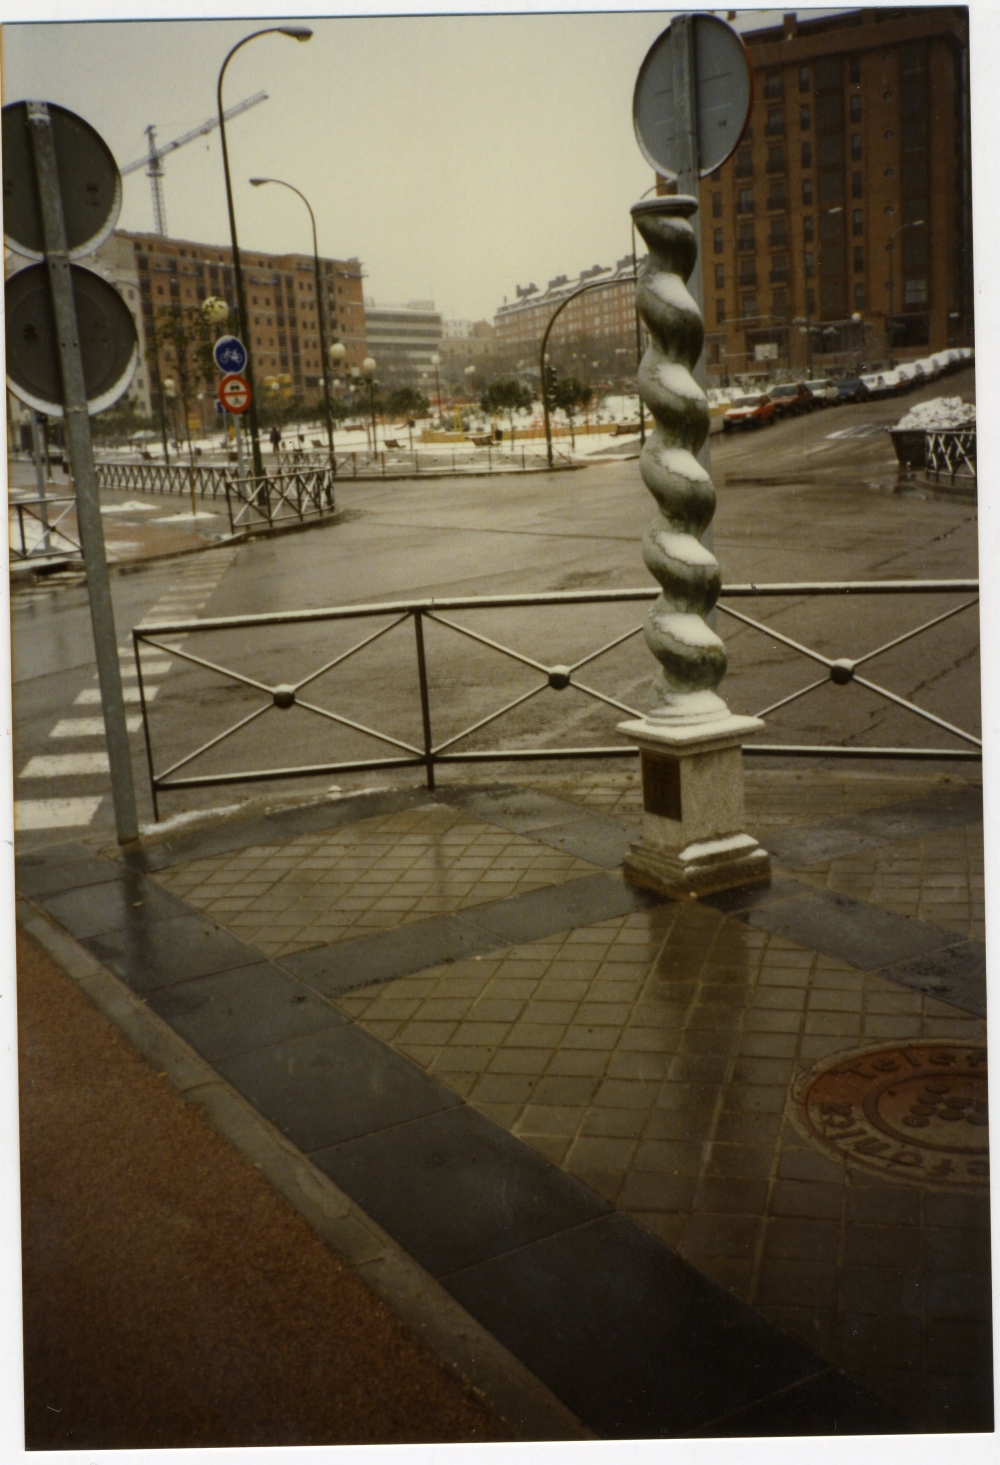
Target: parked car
824 391
852 389
791 399
749 412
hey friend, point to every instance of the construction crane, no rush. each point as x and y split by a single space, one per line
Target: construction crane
153 161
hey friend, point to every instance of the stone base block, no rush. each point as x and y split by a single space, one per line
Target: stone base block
701 869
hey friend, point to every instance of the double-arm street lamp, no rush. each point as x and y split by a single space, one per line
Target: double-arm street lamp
368 368
297 33
258 183
891 248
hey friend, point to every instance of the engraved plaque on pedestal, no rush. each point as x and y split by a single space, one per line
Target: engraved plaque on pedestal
661 785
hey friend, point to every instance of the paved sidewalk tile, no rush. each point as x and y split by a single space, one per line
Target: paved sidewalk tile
374 875
651 1056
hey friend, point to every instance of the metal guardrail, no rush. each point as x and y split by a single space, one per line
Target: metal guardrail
53 539
440 612
210 479
307 493
952 452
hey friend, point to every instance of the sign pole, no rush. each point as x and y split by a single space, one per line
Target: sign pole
689 182
41 479
81 453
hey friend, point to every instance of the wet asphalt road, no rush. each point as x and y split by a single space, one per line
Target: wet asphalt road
809 499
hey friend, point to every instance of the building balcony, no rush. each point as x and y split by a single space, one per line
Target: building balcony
778 240
745 208
777 203
748 282
777 168
778 277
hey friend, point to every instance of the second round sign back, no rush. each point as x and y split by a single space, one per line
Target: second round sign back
90 184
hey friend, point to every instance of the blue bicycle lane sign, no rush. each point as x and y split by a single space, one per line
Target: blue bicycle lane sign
230 354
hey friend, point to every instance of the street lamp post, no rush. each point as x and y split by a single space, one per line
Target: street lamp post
436 363
806 322
297 33
891 247
368 367
257 183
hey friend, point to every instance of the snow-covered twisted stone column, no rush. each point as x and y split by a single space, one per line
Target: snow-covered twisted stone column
691 655
692 839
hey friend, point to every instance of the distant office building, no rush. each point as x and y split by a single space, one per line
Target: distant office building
402 339
598 328
281 300
846 211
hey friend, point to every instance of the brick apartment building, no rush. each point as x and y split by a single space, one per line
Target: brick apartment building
595 332
854 171
281 302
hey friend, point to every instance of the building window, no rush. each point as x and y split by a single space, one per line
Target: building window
805 117
775 126
746 240
855 108
720 312
720 276
749 307
748 273
803 78
857 223
772 86
807 155
779 269
807 191
776 158
859 258
810 260
915 292
856 146
859 297
856 188
807 228
744 163
716 205
888 172
780 302
717 243
855 68
744 201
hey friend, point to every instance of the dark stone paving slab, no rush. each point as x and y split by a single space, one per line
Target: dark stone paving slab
859 933
800 848
347 965
956 975
455 1189
579 902
153 954
831 1397
746 898
324 1088
558 823
126 904
637 1342
63 867
242 1010
385 955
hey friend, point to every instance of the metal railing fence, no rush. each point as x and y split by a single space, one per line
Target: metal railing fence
49 538
951 452
429 752
306 493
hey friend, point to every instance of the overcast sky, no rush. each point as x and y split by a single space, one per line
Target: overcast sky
456 156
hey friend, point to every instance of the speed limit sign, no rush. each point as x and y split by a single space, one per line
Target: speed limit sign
234 392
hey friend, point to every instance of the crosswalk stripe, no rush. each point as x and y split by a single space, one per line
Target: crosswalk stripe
63 765
91 696
89 727
55 813
149 669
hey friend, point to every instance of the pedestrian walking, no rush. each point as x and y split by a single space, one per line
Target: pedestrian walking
275 438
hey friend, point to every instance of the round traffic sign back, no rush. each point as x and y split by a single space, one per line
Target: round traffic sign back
234 393
109 344
230 354
90 184
722 82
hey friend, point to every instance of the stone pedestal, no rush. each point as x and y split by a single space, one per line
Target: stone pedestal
693 839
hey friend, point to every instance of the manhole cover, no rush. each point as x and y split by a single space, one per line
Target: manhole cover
910 1111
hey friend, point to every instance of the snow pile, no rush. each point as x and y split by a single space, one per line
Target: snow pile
941 412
